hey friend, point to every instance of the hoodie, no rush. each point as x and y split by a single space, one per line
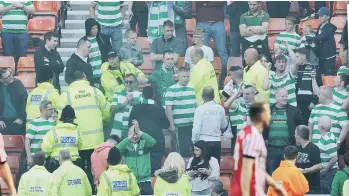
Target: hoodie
99 160
324 40
168 181
102 39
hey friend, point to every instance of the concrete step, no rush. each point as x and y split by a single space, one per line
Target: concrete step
80 5
73 33
66 52
75 24
65 59
69 42
78 14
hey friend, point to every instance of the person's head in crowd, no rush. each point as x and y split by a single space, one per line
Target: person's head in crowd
324 14
280 63
131 37
281 96
291 154
39 158
201 157
54 115
168 58
251 56
324 124
168 29
196 55
148 92
183 76
325 95
236 73
254 6
79 75
6 76
114 156
113 59
92 27
130 82
308 30
68 115
51 40
344 57
113 140
64 155
46 109
207 94
264 61
302 134
217 188
341 81
174 161
142 83
346 159
301 56
248 94
198 36
83 47
290 23
259 113
134 134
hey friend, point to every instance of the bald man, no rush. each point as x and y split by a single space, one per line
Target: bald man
328 148
255 72
203 75
209 120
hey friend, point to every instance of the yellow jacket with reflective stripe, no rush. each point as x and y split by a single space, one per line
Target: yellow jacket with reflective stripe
44 91
37 182
72 180
109 79
91 108
63 136
118 180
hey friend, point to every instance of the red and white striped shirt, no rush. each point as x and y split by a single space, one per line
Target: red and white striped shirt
250 143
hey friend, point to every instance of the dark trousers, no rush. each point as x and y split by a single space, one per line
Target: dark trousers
156 160
85 156
14 44
260 45
184 140
145 188
326 181
327 66
181 34
304 108
275 156
142 21
215 149
235 43
13 129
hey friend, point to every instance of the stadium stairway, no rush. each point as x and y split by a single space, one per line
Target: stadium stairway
74 30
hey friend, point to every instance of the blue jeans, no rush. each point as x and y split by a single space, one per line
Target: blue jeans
14 44
115 34
217 31
275 156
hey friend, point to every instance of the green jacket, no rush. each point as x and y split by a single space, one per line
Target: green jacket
138 160
161 80
338 182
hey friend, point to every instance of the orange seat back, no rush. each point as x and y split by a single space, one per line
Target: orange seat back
26 64
313 22
190 25
217 64
226 164
7 62
40 25
147 67
28 80
14 143
276 25
144 44
340 7
271 42
328 80
339 22
46 6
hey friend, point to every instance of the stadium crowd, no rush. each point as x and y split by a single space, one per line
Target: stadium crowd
115 127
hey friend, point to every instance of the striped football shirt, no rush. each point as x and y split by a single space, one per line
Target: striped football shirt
328 148
286 81
15 20
36 131
109 13
95 58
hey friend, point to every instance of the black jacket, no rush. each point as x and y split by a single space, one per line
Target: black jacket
184 12
325 42
19 97
102 39
294 118
344 38
152 120
76 63
48 70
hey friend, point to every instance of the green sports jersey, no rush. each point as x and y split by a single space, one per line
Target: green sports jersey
336 113
292 39
15 20
95 58
36 132
109 13
286 81
339 96
343 70
239 117
278 132
328 148
183 102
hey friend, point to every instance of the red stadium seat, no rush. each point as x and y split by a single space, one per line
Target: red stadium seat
181 62
13 161
217 64
46 8
144 44
226 146
294 8
7 62
225 181
234 61
28 80
26 64
328 80
40 26
271 42
52 18
315 23
147 67
276 25
190 25
339 22
340 7
13 143
193 9
226 164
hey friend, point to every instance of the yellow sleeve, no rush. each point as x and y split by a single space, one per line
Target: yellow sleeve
139 73
103 187
61 103
87 186
21 186
47 143
134 186
53 188
157 186
58 176
54 97
188 188
28 103
104 106
108 84
105 67
196 79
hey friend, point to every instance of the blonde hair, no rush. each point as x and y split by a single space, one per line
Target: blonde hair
175 161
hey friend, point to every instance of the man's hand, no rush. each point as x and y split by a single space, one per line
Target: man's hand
18 5
311 106
301 170
2 125
29 161
172 128
46 59
18 121
192 173
204 171
279 189
135 123
313 74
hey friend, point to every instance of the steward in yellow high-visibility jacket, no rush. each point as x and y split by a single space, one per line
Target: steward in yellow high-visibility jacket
71 179
114 72
44 91
37 181
117 180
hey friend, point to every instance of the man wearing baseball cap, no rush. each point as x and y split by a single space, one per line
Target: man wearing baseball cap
325 42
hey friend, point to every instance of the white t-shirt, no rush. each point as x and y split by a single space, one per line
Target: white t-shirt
208 54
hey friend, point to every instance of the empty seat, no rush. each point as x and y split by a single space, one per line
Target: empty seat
234 61
144 44
40 26
225 181
276 25
226 145
147 66
315 23
217 64
26 64
46 8
328 80
226 164
181 62
340 7
48 17
271 42
339 22
13 161
7 62
28 80
190 25
14 143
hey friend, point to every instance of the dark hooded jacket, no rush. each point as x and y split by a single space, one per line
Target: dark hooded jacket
102 39
325 42
170 176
